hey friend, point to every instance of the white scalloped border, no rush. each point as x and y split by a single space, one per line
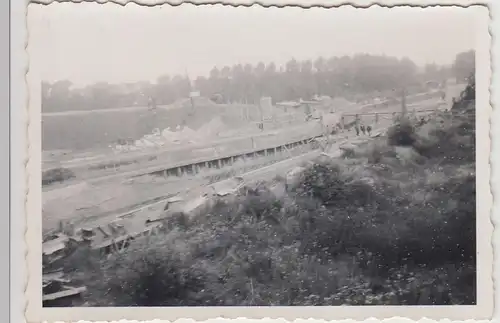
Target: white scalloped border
265 3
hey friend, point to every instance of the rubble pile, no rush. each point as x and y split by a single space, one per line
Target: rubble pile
58 287
179 136
59 291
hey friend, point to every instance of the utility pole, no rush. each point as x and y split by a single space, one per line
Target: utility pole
261 116
190 86
404 109
191 99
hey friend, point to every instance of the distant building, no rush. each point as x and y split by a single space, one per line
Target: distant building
308 108
288 105
217 98
432 85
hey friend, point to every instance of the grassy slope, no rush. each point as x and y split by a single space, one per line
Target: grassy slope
99 130
389 224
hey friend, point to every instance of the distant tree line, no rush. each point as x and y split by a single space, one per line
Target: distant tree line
354 78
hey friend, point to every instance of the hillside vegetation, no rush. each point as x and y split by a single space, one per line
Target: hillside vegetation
393 223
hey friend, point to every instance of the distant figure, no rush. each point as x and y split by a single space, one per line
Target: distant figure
151 103
338 128
376 118
414 113
369 130
363 129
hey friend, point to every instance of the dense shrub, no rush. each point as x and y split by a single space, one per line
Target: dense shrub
401 134
56 175
451 142
150 273
467 95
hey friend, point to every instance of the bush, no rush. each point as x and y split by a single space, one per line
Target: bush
377 152
56 175
395 235
451 143
150 273
467 95
401 134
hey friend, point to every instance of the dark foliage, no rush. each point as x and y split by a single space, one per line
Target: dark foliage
56 175
401 134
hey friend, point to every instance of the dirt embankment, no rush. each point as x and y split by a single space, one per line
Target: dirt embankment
99 130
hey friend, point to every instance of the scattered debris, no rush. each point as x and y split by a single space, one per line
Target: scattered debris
58 290
192 207
55 245
169 137
64 297
55 250
228 186
116 236
293 176
328 155
171 200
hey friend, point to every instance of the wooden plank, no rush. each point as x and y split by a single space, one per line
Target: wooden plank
64 293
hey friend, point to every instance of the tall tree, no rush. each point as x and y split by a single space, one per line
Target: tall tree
464 65
353 77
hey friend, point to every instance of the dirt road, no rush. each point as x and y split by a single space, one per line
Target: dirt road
85 200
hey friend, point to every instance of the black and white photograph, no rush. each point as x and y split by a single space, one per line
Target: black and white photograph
220 156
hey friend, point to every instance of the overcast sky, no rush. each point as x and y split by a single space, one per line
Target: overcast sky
89 43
